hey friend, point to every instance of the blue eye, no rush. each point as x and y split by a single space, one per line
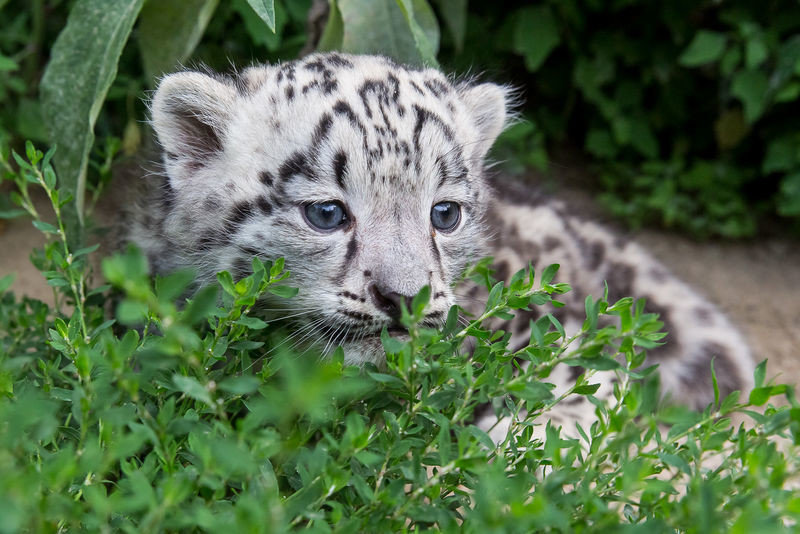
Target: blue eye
445 216
325 216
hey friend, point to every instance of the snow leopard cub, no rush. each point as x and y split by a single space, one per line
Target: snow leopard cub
367 177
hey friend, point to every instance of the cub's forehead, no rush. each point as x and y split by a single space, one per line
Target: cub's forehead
393 123
379 99
369 80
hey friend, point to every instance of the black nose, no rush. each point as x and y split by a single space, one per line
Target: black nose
388 301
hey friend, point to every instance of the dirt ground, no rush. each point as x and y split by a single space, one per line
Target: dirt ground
756 283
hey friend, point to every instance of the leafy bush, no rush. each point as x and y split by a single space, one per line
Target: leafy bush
195 416
688 108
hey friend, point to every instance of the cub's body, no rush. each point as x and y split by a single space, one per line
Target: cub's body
354 169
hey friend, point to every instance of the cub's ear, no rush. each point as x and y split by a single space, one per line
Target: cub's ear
486 105
190 113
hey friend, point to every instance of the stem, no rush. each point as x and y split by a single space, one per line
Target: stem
77 285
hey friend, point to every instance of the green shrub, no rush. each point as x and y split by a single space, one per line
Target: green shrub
196 416
688 108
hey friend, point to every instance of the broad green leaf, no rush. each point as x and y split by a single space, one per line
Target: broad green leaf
381 27
756 52
707 46
83 64
259 30
535 35
750 86
168 32
265 10
333 34
422 23
454 14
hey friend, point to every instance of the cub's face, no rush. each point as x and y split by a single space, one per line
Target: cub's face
364 175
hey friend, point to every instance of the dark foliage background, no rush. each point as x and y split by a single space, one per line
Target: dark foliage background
686 111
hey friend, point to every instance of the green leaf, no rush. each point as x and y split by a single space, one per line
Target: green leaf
6 281
226 281
714 383
643 139
333 34
760 395
7 64
789 93
168 32
47 228
760 374
675 461
83 63
535 35
600 143
531 390
382 27
454 14
422 23
451 324
750 86
789 199
240 385
192 388
386 379
588 389
707 46
390 344
283 291
253 323
549 273
11 214
421 300
494 296
599 364
201 305
755 52
266 10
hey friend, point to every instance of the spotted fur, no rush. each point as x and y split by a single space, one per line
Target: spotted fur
244 155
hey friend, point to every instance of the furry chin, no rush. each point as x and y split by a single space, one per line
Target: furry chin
367 350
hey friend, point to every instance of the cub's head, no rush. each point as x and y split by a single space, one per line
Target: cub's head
366 176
